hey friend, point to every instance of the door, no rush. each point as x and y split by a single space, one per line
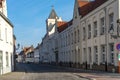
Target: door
119 66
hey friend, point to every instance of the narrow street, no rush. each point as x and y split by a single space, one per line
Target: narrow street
40 72
49 72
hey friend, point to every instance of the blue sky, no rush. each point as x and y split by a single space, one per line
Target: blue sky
28 17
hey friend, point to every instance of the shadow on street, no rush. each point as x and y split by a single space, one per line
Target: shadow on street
41 68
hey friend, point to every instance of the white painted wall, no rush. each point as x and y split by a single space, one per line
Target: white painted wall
6 44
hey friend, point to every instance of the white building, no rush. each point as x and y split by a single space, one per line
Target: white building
6 40
85 42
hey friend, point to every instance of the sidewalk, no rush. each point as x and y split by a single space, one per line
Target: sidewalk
94 75
101 76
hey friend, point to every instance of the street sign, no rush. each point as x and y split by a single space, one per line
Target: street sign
118 46
119 57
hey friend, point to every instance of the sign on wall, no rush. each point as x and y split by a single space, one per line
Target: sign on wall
118 46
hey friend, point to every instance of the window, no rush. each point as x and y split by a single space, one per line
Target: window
6 35
72 38
84 33
1 57
111 47
103 58
103 53
95 29
69 39
90 56
85 54
96 49
78 35
75 37
66 40
96 54
89 31
102 26
96 58
111 26
103 48
7 59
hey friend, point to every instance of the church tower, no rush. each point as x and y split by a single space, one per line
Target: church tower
3 7
52 19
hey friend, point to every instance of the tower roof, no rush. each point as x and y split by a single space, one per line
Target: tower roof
52 15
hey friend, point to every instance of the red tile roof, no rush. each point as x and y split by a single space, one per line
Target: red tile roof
82 3
86 7
62 25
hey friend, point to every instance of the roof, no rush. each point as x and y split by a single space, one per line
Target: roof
62 25
28 49
52 15
86 7
6 19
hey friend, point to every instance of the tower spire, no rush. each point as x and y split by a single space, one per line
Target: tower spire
53 14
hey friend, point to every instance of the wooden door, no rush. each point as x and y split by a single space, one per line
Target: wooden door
119 66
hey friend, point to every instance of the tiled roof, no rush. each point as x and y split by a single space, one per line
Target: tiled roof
62 25
86 7
28 49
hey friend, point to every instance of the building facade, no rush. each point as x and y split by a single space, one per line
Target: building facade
85 42
6 40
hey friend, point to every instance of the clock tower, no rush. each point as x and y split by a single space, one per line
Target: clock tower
50 22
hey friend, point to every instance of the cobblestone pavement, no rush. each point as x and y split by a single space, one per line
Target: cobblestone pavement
40 72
